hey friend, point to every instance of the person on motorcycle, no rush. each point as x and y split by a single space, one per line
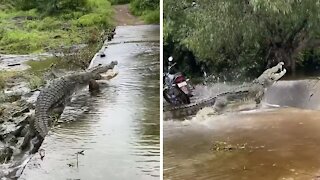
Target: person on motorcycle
172 69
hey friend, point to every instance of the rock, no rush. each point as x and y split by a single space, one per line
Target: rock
102 54
19 89
5 154
16 64
33 98
19 113
57 36
12 140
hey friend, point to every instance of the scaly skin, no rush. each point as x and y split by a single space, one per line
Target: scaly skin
53 98
251 91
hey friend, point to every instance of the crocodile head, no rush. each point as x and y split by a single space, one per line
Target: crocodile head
103 71
271 75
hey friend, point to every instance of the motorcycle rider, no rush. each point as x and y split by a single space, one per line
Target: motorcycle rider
172 69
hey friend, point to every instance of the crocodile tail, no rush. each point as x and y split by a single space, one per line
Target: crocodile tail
42 124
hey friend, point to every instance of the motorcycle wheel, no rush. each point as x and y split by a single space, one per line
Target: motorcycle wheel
181 97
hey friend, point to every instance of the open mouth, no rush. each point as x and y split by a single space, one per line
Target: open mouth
281 67
108 75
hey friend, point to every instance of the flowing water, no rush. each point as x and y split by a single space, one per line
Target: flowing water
118 129
278 142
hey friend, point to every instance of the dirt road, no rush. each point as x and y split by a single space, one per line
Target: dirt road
124 17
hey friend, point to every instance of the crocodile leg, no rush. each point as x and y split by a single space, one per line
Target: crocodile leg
27 139
30 134
94 86
36 144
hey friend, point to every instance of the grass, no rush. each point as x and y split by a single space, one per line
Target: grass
5 75
23 32
34 81
115 2
149 10
2 83
151 16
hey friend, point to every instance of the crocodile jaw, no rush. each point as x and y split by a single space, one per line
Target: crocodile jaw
108 75
271 75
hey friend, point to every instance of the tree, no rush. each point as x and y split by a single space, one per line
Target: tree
251 33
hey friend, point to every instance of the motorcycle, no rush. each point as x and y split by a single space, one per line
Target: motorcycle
177 89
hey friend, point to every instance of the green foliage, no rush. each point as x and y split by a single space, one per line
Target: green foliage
48 23
39 67
18 40
92 19
151 16
51 6
148 9
114 2
35 82
34 31
2 83
242 35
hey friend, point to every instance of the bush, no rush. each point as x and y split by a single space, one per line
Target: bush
148 9
114 2
151 16
22 41
47 23
52 6
34 82
138 7
93 19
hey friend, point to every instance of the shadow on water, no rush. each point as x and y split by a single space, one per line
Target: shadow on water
268 143
119 128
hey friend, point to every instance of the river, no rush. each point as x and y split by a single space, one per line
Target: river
118 129
278 142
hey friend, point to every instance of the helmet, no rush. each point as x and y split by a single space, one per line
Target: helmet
170 59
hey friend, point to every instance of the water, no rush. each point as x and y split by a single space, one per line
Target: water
119 128
267 143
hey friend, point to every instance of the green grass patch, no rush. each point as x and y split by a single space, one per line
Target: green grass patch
35 81
149 10
92 19
21 41
39 67
23 32
5 75
2 83
151 17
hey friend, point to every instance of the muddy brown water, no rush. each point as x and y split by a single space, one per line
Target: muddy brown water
267 143
118 129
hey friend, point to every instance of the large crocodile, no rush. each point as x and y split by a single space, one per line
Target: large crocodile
249 91
53 98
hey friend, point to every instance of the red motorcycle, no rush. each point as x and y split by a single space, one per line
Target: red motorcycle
177 89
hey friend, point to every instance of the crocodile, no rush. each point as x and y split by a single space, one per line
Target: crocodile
52 99
246 92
